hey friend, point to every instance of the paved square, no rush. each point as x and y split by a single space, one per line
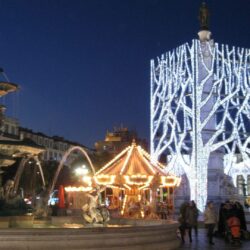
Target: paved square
201 243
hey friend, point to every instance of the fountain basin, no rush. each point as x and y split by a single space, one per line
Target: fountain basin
23 221
140 234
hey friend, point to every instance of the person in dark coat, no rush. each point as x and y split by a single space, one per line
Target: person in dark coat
192 214
182 220
241 216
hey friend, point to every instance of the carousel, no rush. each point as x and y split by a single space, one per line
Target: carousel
135 185
132 185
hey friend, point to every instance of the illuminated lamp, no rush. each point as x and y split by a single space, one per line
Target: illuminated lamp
104 179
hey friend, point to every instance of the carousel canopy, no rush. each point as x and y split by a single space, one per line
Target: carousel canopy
133 166
132 161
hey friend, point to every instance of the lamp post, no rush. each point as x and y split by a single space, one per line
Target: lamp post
82 171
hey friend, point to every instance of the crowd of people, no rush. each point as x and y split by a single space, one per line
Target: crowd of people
230 221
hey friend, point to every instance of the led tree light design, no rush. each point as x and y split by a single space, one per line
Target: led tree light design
200 103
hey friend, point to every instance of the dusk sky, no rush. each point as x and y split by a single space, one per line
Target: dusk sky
84 65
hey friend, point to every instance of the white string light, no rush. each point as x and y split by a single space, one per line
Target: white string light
200 102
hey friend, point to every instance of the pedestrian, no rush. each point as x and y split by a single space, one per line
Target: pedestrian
192 214
182 220
210 220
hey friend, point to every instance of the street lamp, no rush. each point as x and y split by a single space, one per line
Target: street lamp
82 171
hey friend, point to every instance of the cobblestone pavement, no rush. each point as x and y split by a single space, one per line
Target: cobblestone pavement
201 243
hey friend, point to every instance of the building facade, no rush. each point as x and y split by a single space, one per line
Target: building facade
117 140
55 146
10 128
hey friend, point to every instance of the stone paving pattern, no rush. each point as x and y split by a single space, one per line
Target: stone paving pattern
201 243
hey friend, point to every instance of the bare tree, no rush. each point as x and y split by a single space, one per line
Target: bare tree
200 103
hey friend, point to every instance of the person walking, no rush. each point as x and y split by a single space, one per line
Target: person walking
182 220
192 219
210 220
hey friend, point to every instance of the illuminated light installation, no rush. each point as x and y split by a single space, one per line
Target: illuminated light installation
132 167
88 180
124 204
169 181
133 172
138 180
200 103
240 149
78 189
88 185
104 179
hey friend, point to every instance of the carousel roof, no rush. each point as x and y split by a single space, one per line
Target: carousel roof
132 161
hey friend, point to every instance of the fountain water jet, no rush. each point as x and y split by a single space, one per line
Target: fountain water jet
21 169
65 156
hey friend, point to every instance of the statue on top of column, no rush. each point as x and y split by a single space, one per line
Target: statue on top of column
204 17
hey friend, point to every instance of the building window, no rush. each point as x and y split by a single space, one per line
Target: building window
59 156
50 155
34 138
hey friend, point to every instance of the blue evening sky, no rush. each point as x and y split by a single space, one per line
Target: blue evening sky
84 65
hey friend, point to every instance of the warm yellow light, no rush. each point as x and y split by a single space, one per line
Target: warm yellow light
138 180
149 158
78 189
104 179
139 197
114 160
127 186
112 186
127 159
124 204
82 170
144 187
170 181
87 179
142 213
145 160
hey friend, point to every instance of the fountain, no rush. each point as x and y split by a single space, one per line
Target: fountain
13 150
71 232
64 158
92 228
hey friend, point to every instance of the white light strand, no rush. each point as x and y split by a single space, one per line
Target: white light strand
127 159
200 102
114 160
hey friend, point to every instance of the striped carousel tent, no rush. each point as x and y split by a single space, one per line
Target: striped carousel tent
133 173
